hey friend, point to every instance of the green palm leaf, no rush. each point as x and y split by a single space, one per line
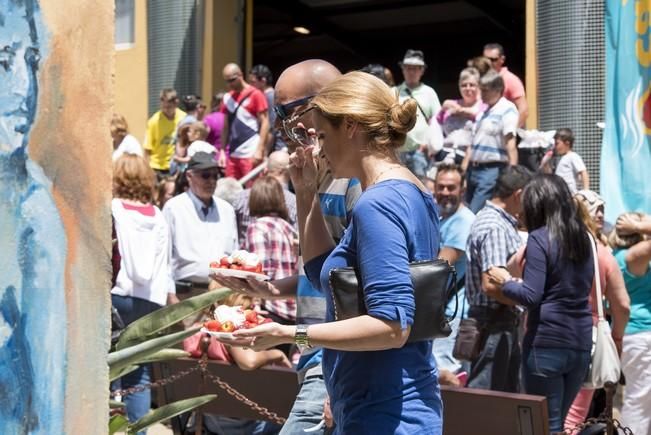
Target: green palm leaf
168 411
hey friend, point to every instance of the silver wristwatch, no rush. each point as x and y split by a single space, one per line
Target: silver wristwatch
301 338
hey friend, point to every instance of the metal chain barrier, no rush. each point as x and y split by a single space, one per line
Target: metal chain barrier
156 384
601 419
272 416
202 364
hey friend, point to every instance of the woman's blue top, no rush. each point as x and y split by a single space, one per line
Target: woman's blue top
391 391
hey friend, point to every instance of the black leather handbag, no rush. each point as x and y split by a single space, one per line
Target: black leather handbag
434 283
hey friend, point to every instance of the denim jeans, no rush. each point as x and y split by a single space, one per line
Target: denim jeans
480 185
220 425
442 347
556 374
137 404
416 161
308 407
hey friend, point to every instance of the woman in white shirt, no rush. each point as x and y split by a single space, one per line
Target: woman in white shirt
123 142
143 278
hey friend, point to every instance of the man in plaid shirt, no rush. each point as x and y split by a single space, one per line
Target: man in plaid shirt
493 240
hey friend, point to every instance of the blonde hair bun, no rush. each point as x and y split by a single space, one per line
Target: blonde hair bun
402 116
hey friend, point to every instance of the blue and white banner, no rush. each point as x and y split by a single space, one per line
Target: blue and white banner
626 149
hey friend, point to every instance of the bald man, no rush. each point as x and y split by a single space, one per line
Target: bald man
246 124
277 167
295 87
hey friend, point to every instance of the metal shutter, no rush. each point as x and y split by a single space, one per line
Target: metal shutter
174 35
572 73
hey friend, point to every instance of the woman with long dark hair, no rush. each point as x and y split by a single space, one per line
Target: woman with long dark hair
555 289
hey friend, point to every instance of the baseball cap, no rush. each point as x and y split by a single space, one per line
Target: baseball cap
202 160
413 57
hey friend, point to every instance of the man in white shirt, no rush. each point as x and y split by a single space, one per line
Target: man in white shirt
203 227
414 152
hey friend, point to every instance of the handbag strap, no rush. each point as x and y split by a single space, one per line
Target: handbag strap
417 103
597 277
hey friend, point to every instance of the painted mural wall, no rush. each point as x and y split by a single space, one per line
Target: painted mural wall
55 103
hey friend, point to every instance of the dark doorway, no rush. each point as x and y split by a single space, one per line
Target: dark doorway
353 33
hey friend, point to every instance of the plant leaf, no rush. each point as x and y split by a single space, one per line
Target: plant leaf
164 355
117 423
113 375
168 411
114 404
163 318
120 359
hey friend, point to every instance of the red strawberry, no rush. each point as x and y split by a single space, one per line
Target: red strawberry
251 316
214 264
228 326
249 325
212 325
258 268
224 262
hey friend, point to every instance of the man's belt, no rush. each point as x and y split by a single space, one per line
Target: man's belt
493 164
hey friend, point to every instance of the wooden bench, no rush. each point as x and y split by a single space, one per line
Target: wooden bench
466 411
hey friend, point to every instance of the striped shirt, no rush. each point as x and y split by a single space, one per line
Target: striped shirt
493 240
337 198
274 240
491 130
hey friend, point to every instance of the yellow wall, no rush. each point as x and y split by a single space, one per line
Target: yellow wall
220 44
131 76
531 78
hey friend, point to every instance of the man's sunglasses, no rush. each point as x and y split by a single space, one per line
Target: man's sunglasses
209 174
283 110
231 79
493 59
298 134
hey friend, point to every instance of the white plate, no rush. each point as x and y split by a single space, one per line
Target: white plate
235 273
219 335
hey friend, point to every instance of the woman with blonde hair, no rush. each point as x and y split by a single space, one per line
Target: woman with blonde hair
632 244
612 287
123 142
143 276
376 380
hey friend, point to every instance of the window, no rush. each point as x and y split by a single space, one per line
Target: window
124 24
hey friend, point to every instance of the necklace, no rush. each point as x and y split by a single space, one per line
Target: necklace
390 168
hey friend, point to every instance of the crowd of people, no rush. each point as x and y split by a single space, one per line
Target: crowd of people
319 171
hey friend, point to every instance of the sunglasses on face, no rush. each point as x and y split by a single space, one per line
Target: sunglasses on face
298 134
283 111
206 175
493 59
231 79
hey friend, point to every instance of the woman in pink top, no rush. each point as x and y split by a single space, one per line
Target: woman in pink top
457 117
591 207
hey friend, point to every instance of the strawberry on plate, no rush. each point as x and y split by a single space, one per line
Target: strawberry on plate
212 325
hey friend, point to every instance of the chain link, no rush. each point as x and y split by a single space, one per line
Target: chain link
202 365
156 384
603 418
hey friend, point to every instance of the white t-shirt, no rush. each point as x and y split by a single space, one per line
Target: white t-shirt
568 168
129 145
198 238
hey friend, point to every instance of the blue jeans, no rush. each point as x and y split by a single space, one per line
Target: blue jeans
137 404
220 425
480 185
498 365
308 407
442 347
556 374
416 162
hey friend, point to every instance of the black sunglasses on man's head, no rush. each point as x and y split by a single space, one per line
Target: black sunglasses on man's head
282 110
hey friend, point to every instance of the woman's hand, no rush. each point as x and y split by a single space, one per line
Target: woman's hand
248 286
626 225
262 337
303 169
499 275
327 413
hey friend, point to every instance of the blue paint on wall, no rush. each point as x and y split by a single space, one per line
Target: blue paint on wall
32 242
